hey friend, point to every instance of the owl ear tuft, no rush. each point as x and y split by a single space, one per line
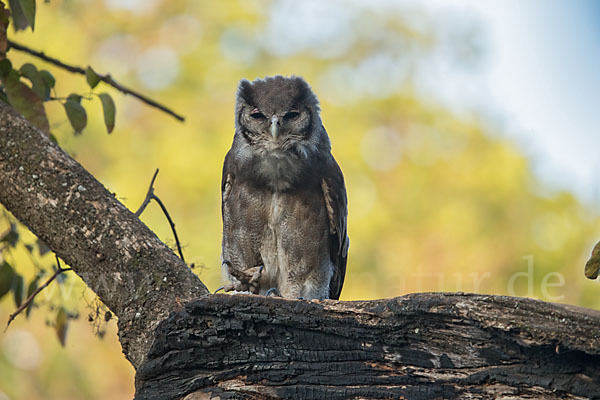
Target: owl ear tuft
305 93
245 91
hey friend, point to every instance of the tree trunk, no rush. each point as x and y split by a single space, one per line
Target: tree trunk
135 274
417 346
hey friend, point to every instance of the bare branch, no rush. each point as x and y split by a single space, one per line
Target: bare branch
26 303
149 196
105 78
162 206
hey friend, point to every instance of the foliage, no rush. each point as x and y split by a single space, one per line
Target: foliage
436 201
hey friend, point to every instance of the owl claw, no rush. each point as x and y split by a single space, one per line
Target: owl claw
226 288
273 292
244 280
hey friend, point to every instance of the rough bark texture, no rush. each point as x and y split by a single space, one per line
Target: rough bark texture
420 346
135 274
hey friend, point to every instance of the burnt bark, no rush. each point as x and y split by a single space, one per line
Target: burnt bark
420 346
135 274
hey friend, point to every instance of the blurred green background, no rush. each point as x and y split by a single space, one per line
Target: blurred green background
441 197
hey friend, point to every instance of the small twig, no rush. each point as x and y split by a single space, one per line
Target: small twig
26 303
104 78
162 206
151 196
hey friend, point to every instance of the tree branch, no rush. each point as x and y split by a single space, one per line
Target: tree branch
151 196
420 346
136 275
104 78
26 303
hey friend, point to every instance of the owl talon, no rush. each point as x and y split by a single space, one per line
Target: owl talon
273 292
256 275
226 288
219 289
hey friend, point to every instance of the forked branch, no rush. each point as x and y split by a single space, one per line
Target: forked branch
151 196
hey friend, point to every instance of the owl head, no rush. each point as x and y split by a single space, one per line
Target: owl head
279 114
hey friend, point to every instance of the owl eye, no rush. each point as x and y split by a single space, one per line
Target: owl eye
257 114
291 114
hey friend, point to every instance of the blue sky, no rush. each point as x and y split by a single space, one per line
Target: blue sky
541 81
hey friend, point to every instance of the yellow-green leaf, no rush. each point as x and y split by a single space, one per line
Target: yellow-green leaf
38 83
24 100
18 284
592 267
33 285
7 273
5 68
61 326
48 78
18 15
76 113
108 107
92 77
28 7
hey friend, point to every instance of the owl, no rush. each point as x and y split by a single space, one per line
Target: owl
284 203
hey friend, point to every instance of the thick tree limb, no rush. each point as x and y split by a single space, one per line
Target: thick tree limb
104 78
421 346
135 274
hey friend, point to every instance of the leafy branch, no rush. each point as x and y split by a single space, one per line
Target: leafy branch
91 74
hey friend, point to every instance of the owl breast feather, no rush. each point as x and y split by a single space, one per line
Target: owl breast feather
279 171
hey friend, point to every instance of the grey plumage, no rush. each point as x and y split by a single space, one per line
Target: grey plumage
284 200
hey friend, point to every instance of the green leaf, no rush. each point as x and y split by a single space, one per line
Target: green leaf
42 248
28 7
108 106
33 285
18 15
92 77
76 113
75 97
61 325
7 273
27 70
48 78
11 237
38 84
61 278
24 100
5 68
18 285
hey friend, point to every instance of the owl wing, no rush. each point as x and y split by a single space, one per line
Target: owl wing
334 192
226 182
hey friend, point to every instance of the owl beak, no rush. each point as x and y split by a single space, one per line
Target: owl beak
274 126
